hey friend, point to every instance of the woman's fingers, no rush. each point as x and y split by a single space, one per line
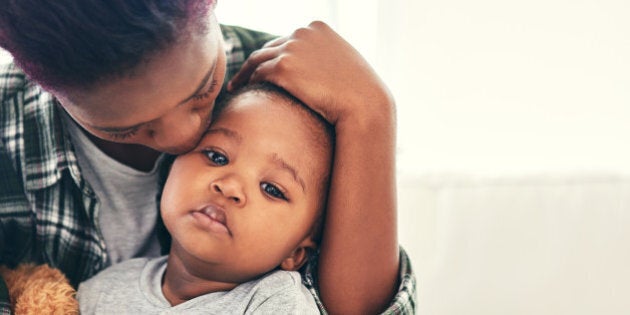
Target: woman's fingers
321 69
276 42
251 64
264 72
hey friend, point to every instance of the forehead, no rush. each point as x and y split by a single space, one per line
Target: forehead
158 84
270 112
269 123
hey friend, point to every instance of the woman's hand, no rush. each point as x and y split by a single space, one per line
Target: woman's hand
320 68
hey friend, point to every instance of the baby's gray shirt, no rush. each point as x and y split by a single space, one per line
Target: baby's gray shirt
134 287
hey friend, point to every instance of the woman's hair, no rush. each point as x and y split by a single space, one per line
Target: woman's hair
78 43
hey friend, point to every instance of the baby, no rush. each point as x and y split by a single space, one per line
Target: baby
244 210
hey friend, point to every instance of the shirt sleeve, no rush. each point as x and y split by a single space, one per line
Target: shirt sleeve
403 303
282 293
87 295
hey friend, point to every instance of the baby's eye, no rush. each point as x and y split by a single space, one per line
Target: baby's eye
216 157
272 191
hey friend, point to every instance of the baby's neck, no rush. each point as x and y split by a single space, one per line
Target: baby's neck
180 284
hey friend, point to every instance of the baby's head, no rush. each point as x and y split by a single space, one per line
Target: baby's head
250 197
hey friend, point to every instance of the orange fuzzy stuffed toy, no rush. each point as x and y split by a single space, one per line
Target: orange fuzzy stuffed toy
39 290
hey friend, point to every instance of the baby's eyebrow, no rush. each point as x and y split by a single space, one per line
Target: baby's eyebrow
226 132
286 166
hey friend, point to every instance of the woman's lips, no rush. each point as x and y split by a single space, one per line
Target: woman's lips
212 218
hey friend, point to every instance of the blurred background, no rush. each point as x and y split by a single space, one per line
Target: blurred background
513 124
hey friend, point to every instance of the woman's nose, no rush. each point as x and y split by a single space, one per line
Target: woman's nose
176 132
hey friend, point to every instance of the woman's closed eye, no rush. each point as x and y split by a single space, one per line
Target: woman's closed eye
215 157
207 93
273 191
124 135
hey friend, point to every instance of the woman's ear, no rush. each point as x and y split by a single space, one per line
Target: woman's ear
299 256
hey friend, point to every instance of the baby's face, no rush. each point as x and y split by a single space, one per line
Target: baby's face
248 195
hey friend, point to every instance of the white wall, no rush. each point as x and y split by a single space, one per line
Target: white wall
543 245
507 86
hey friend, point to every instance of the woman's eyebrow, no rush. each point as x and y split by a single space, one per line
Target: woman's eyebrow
202 84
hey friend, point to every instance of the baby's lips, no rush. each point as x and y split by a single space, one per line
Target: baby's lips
216 214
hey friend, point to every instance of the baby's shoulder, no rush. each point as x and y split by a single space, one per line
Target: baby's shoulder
283 292
283 285
281 279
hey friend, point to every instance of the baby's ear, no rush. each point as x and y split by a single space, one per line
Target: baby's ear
299 256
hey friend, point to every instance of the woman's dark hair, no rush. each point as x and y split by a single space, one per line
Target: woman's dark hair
78 43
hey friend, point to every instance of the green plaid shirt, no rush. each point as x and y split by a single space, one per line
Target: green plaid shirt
48 211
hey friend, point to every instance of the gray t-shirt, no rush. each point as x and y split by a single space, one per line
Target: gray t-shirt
134 287
127 212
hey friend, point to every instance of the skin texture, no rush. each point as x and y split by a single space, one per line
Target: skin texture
322 70
239 170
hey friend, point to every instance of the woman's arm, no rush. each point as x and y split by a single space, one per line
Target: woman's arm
358 268
359 253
